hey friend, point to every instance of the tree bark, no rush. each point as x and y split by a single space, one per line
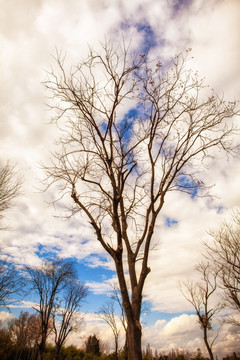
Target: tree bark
57 353
116 348
207 345
132 312
134 335
42 347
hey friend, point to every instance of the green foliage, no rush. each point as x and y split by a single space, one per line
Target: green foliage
199 355
147 357
71 353
49 352
163 357
234 356
93 357
93 346
180 357
88 357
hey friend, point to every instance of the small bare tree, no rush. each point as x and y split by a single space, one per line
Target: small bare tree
199 294
66 317
47 281
116 296
118 166
11 281
224 252
25 332
10 184
107 314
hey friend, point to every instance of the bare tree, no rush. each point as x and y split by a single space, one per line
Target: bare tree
199 294
11 281
107 313
10 184
47 282
116 296
25 332
66 317
118 167
224 252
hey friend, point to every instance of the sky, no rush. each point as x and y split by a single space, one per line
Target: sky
30 33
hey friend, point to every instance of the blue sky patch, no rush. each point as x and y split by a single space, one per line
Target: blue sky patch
180 5
170 222
184 183
149 37
47 252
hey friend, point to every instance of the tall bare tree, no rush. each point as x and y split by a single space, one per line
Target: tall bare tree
47 281
199 294
224 252
66 317
132 131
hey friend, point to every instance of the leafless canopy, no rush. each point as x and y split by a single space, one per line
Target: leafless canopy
107 314
10 184
66 316
11 281
131 131
200 294
25 331
47 282
224 252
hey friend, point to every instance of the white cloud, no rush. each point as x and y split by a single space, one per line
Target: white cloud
5 316
99 288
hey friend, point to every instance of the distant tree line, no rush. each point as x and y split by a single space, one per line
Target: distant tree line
18 342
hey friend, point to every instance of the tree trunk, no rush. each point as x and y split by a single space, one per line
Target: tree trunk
40 355
57 353
41 348
134 337
116 347
125 356
207 345
132 312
